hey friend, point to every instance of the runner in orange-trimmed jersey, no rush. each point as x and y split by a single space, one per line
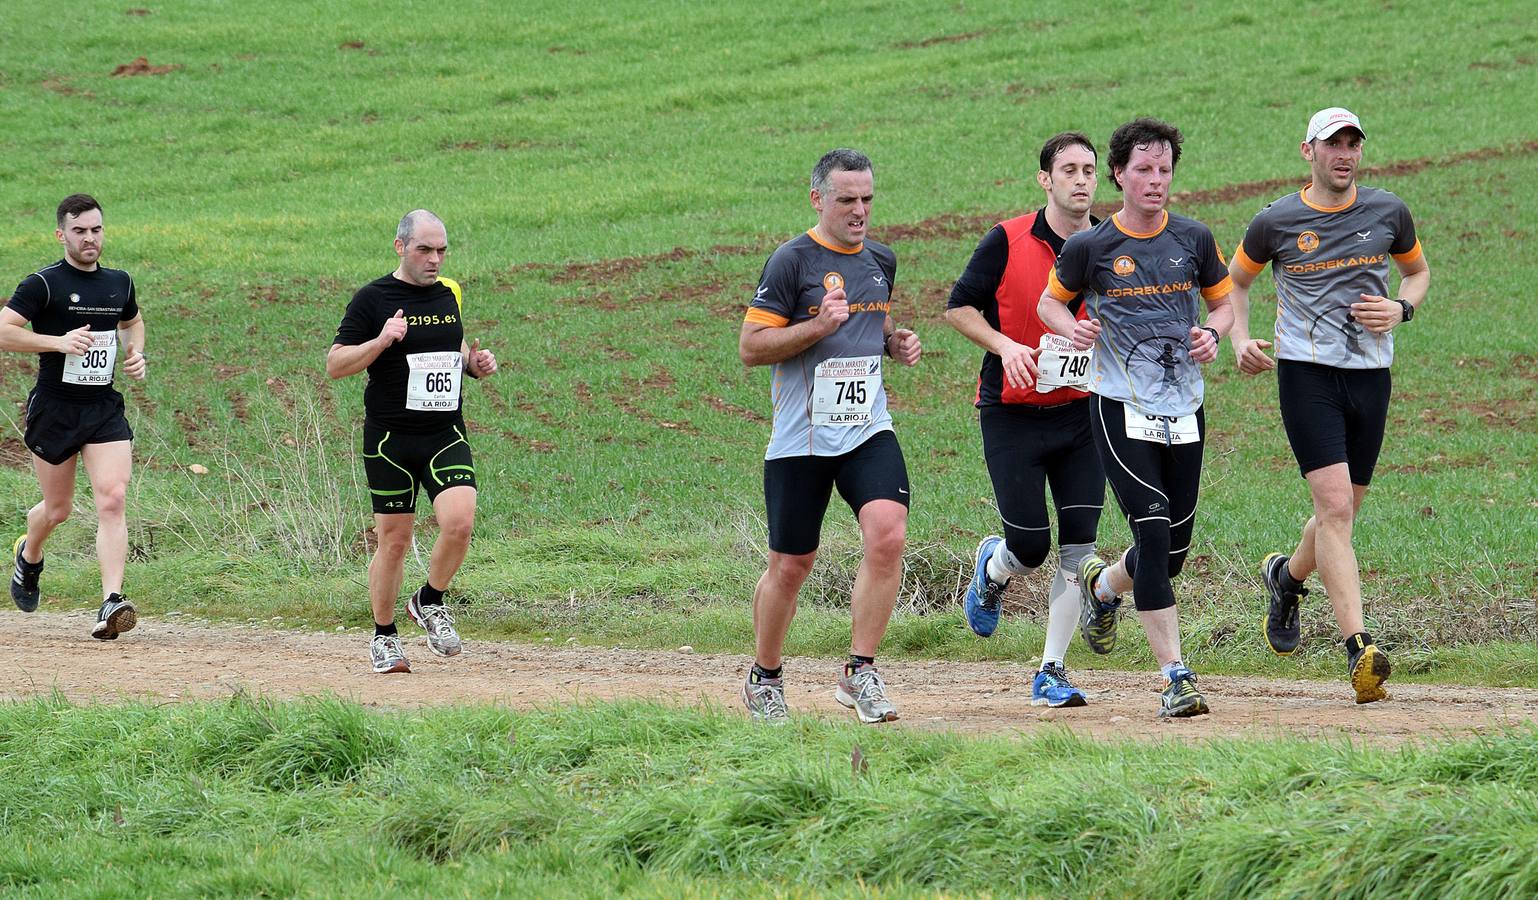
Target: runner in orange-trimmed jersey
1330 245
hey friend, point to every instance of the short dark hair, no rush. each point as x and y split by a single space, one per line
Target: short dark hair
74 205
1141 133
841 160
1057 143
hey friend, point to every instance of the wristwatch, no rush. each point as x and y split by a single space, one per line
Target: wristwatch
1409 309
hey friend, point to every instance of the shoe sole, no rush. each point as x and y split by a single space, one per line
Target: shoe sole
399 666
123 619
412 613
843 697
1199 708
977 559
1265 621
1086 595
1075 700
1367 676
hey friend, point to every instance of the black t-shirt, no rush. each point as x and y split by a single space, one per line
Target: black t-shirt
433 326
61 298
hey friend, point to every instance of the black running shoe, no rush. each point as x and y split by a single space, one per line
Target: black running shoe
1368 668
1282 629
24 579
1181 699
116 616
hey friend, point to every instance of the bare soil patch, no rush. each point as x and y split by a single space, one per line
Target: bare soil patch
141 66
174 658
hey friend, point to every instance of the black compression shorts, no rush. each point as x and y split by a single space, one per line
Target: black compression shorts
1334 415
1029 447
397 463
57 428
797 489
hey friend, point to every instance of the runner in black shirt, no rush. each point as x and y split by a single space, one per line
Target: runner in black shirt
84 317
407 331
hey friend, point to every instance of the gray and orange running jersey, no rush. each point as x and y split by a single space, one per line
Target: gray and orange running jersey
1146 290
828 399
1323 260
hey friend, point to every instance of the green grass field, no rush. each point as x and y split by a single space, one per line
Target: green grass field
612 179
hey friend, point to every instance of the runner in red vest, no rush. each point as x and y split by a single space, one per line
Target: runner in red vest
1033 409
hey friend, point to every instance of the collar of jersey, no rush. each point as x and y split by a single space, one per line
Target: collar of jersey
1303 195
812 233
1115 220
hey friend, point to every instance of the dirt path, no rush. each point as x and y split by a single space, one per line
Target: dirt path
177 659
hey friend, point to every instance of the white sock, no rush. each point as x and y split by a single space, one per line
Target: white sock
1169 668
1103 591
1003 565
1062 616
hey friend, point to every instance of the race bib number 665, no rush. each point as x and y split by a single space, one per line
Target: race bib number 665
433 385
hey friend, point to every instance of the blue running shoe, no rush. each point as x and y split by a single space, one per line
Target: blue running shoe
984 594
1052 689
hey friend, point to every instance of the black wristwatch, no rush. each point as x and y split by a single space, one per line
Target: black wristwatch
1216 338
1408 307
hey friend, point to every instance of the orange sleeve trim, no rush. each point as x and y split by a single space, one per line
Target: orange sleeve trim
765 317
1220 289
1410 255
1056 289
1244 261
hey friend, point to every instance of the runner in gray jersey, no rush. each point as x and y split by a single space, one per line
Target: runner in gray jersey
820 320
1144 275
1330 245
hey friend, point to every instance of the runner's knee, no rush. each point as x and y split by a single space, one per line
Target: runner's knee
56 513
110 500
1029 548
790 570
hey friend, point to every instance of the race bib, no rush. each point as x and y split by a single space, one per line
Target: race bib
1060 365
844 390
433 385
95 367
1161 429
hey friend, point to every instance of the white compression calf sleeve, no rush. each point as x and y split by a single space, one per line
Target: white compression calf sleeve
1062 616
1003 565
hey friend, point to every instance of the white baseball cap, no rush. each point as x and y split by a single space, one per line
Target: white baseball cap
1328 121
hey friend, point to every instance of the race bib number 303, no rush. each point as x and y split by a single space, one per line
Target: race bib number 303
1169 430
433 385
1061 365
95 367
844 390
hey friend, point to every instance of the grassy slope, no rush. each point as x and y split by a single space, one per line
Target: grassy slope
254 187
246 797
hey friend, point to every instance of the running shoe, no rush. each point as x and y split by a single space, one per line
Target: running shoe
24 579
864 692
984 594
1052 688
1369 668
117 615
1181 699
765 699
387 655
1282 630
1097 620
436 620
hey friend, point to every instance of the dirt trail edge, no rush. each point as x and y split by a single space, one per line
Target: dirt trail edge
168 659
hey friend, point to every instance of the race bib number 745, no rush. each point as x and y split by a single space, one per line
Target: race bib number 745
844 390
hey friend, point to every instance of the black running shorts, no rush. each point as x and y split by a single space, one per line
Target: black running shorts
57 429
797 489
397 463
1334 415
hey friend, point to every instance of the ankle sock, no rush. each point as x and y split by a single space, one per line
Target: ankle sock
428 595
384 630
758 673
1170 668
856 661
